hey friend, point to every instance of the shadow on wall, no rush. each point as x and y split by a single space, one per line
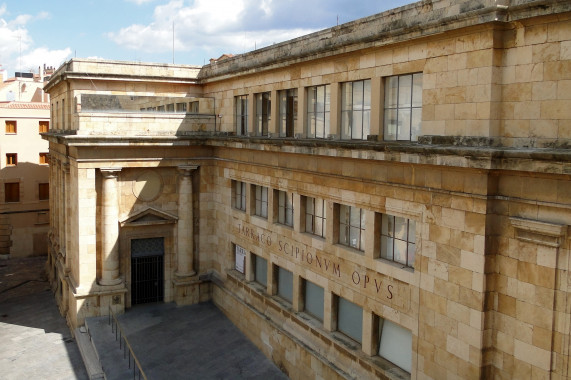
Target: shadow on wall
24 194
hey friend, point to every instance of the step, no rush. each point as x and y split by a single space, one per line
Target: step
89 354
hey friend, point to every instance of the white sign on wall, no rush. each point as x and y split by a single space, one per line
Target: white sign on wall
240 258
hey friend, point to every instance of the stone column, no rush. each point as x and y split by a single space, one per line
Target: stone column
185 229
109 228
67 224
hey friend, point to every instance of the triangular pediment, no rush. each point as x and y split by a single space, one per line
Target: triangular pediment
149 216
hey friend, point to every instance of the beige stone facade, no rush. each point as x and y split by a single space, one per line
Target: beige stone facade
389 198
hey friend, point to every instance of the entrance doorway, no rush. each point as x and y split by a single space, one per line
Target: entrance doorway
147 270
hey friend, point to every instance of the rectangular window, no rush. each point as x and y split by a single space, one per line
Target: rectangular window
11 127
285 208
315 216
403 107
263 113
240 261
395 344
11 159
44 158
260 270
356 110
288 112
350 319
43 191
239 195
241 115
318 107
314 300
261 194
181 107
352 227
398 236
12 192
44 126
194 107
285 284
170 107
161 108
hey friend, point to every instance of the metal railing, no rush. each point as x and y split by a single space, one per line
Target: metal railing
124 345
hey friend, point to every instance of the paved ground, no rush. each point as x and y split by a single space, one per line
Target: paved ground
35 340
190 342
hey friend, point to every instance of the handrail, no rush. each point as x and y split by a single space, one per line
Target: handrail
113 318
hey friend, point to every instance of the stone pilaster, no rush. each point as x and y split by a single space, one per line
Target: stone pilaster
109 228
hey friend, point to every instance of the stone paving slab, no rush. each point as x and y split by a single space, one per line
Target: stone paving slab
172 342
36 342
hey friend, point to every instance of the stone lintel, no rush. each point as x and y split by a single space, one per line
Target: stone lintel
186 169
539 232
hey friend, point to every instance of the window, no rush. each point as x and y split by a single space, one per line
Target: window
356 110
285 284
181 107
260 270
242 115
44 158
43 191
11 127
44 126
263 113
395 344
352 227
398 237
285 208
314 300
403 107
350 319
11 159
239 195
261 208
194 107
170 107
315 216
318 106
240 259
12 192
288 112
161 108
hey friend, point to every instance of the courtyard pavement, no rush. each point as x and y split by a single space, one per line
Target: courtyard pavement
188 342
35 341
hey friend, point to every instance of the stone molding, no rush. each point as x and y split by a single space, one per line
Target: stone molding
538 232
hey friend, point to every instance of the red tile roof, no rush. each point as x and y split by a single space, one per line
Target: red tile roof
25 105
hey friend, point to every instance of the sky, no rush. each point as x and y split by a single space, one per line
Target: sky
38 32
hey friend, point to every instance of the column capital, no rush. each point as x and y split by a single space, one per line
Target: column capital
110 172
186 170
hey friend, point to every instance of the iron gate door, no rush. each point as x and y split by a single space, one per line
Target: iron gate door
147 270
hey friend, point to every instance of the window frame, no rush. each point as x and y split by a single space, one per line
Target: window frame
11 159
11 127
239 195
315 111
43 191
358 107
311 216
345 324
285 208
392 109
387 348
284 283
346 227
241 114
261 192
318 312
260 273
13 192
263 103
287 110
391 237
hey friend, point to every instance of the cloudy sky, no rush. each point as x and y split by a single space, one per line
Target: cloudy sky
34 32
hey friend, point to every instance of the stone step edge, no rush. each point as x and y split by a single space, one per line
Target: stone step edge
88 353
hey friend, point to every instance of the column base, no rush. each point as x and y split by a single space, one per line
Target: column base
112 282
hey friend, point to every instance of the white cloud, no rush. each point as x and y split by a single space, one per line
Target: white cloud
17 51
213 25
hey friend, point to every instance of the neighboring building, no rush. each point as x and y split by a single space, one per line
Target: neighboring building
24 172
387 198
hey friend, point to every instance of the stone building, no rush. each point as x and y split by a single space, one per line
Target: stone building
386 198
24 173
